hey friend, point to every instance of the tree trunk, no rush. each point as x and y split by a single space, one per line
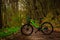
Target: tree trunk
0 14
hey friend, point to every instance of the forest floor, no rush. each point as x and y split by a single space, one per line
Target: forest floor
35 36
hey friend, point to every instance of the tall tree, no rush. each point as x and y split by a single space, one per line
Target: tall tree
0 14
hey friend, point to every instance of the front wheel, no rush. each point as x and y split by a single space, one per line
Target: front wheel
47 28
27 29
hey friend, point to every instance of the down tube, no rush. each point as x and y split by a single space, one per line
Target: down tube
35 25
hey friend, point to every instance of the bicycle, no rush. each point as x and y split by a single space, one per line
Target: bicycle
45 27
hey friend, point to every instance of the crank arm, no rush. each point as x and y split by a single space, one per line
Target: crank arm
37 31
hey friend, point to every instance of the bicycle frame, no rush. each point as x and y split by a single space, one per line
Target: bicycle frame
33 23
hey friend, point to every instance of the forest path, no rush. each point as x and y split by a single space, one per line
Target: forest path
35 36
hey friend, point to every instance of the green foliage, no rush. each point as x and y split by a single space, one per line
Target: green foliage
8 31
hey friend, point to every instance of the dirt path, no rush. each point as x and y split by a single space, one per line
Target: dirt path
35 36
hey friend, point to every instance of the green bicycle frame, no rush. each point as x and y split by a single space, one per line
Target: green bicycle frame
29 20
34 24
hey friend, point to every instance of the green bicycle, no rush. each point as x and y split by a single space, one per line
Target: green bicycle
45 27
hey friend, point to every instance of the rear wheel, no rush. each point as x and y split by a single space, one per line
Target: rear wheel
27 29
47 28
